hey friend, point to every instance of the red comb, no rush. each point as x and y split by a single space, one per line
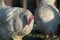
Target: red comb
31 18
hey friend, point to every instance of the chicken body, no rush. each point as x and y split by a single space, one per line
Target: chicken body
14 22
47 17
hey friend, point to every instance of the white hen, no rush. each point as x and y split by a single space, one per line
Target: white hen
14 22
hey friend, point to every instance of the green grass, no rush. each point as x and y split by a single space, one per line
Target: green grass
35 35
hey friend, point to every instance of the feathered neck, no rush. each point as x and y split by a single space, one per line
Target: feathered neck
2 3
51 2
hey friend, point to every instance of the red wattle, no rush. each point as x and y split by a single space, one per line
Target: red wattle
31 18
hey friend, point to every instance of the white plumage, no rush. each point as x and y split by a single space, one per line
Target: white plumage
14 22
47 17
